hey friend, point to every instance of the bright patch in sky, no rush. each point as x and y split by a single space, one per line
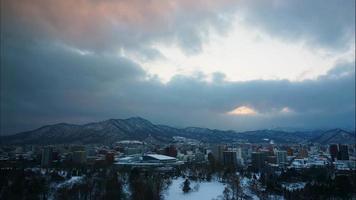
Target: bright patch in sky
242 110
286 110
245 53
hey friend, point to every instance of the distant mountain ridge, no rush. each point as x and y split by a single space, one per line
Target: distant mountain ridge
335 136
137 128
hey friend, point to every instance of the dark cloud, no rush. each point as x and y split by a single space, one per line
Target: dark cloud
60 63
326 23
135 24
50 83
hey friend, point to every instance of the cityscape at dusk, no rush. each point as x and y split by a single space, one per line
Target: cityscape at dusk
171 100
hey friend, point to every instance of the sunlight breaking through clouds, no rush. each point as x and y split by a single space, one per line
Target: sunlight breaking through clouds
242 110
243 54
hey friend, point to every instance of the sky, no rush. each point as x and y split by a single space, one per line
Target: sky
229 64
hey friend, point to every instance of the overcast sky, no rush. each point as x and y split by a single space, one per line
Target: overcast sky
227 64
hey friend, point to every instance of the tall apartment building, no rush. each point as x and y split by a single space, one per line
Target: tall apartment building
281 158
47 156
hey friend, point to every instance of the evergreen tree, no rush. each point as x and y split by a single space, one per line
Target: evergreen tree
113 188
186 186
227 193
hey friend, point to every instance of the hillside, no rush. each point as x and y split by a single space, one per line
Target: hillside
136 128
335 136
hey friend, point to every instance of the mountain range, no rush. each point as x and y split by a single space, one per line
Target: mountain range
136 128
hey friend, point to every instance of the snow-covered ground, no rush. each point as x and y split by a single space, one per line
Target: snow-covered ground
245 185
68 184
275 197
294 186
206 191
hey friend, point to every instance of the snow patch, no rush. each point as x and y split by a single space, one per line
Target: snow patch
206 190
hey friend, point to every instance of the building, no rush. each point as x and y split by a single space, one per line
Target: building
218 152
19 150
290 151
47 156
239 154
74 148
90 150
199 157
299 163
303 153
133 150
230 158
258 160
281 158
110 157
79 157
343 153
246 152
272 159
170 151
333 150
157 158
147 160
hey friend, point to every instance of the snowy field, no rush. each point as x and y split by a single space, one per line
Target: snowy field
206 190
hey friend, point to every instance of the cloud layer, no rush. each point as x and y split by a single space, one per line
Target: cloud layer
64 61
109 25
59 85
327 23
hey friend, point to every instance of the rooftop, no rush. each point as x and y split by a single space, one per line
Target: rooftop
161 157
